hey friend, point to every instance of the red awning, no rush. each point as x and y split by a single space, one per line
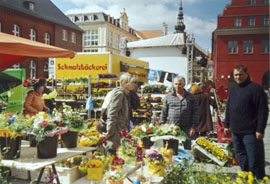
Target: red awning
15 49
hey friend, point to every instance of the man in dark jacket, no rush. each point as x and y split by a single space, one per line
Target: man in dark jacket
246 118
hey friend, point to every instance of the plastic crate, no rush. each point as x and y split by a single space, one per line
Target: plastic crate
209 155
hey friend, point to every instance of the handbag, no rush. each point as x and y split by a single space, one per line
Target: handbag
101 126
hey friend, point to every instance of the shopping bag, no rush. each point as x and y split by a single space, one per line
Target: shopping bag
222 138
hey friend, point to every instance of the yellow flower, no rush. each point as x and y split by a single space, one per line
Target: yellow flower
239 180
266 179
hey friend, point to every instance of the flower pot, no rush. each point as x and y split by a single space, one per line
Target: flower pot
32 141
172 144
157 169
114 181
10 147
95 173
48 147
147 143
69 139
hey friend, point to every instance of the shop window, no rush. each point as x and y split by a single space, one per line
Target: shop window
47 38
33 34
251 21
73 37
32 69
232 47
16 30
90 38
248 46
64 35
265 47
265 20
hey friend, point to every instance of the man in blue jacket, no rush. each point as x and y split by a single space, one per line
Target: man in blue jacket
246 118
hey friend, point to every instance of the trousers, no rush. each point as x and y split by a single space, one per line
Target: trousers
250 153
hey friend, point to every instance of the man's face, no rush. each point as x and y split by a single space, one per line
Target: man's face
178 85
239 76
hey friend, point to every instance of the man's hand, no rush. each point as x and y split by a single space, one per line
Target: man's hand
259 136
226 131
192 132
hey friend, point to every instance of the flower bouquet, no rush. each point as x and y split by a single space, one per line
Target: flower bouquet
155 162
114 177
29 82
128 148
94 169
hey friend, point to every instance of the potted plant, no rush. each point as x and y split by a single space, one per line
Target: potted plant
155 162
144 132
114 177
46 129
70 118
94 169
12 128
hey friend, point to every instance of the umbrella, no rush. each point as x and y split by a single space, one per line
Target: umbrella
16 49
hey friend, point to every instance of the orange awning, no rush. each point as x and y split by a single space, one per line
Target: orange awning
15 49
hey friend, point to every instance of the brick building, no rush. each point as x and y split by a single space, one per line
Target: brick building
242 37
40 21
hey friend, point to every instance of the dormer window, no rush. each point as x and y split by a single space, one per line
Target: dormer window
31 5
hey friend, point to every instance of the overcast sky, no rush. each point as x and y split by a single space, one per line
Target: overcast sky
200 16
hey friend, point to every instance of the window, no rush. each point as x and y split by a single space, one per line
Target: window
265 1
237 21
265 46
248 46
90 37
64 35
47 38
33 34
251 21
32 69
73 37
251 2
116 41
46 66
232 47
109 43
16 30
265 20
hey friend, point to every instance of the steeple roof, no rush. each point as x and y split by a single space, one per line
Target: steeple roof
180 26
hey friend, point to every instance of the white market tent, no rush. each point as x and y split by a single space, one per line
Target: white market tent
164 53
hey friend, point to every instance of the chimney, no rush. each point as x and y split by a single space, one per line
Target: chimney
165 29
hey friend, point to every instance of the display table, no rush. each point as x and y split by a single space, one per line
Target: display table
29 161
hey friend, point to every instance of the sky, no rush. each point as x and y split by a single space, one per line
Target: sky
200 16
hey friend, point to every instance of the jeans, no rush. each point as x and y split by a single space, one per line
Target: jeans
249 153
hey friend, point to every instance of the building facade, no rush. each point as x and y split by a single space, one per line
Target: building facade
39 21
103 33
241 37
